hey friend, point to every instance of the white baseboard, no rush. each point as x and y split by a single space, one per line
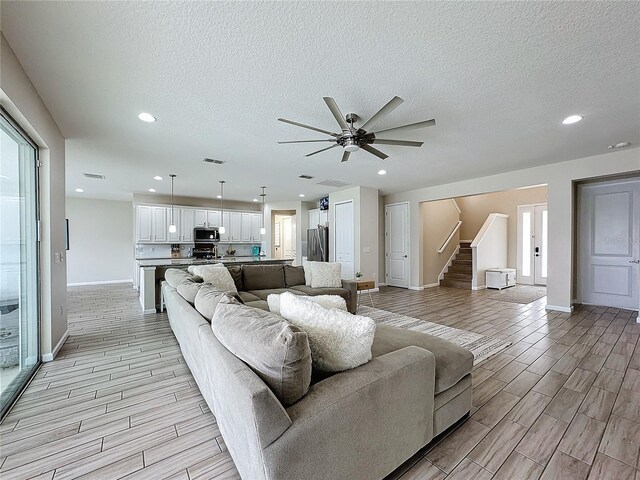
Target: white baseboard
149 310
413 287
48 357
101 282
479 287
382 284
466 241
430 285
559 309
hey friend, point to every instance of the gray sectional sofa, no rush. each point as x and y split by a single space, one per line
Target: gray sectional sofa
360 424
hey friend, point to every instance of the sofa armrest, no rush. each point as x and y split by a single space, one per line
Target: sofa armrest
352 303
359 424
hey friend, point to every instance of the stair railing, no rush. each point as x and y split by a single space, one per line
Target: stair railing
450 237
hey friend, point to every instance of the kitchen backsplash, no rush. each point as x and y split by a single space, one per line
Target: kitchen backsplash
155 250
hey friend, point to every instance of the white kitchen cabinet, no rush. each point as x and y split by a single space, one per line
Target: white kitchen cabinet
144 228
225 237
200 218
187 224
324 218
213 218
235 227
247 234
256 224
159 224
176 236
314 218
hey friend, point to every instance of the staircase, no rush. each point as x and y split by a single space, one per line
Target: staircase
459 273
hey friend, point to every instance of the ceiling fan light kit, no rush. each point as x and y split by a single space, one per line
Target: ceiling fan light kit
352 139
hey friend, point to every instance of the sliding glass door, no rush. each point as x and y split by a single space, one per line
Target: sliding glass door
19 273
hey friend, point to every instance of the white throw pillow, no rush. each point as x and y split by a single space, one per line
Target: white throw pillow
325 275
191 268
306 265
217 276
338 340
326 301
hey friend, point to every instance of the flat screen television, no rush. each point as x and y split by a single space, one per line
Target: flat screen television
324 203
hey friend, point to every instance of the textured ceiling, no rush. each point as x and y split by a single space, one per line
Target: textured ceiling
498 77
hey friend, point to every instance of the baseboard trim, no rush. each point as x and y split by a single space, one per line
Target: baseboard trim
101 282
382 284
413 287
48 357
148 311
431 285
479 287
558 308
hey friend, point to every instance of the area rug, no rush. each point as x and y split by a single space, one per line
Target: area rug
520 294
481 346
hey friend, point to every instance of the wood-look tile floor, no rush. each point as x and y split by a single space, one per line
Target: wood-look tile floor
563 402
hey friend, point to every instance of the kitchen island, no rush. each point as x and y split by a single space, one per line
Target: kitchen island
151 273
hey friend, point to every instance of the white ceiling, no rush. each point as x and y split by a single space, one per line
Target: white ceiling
498 77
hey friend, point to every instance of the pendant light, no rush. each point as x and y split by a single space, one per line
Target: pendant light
172 227
262 229
222 229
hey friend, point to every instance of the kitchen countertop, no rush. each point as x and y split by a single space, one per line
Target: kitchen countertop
164 262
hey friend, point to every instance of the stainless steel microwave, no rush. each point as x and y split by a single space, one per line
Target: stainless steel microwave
206 235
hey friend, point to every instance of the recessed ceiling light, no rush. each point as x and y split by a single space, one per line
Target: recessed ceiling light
571 119
255 199
147 117
301 195
79 190
152 190
157 177
382 172
218 196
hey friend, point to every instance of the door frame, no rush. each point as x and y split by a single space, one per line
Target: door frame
407 242
519 253
577 269
353 261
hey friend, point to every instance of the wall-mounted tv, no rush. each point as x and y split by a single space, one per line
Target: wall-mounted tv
324 203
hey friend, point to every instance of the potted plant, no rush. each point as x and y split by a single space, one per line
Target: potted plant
359 275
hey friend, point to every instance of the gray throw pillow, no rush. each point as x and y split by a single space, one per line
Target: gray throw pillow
277 351
188 288
293 276
174 276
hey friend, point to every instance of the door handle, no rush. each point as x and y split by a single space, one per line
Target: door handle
634 261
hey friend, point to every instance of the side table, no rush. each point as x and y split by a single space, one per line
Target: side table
361 286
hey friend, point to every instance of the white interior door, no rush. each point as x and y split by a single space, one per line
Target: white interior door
397 245
288 237
532 244
609 244
344 237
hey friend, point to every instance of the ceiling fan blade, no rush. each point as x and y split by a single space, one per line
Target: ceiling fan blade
333 106
383 112
310 141
345 156
374 151
411 126
307 126
402 143
322 150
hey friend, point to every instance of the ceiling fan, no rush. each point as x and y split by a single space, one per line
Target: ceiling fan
352 139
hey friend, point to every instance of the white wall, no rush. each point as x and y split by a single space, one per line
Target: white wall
559 178
100 235
438 220
489 248
19 97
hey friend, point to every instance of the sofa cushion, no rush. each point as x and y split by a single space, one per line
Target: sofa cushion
262 277
207 299
261 304
326 275
174 276
263 294
247 297
276 350
326 301
293 276
188 289
452 361
217 275
236 273
338 340
343 292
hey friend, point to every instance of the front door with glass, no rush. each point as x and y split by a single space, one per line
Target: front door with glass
19 279
532 244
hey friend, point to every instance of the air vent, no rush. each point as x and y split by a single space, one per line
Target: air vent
94 175
332 183
306 177
213 160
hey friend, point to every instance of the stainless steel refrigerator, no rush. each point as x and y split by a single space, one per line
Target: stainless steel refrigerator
318 244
